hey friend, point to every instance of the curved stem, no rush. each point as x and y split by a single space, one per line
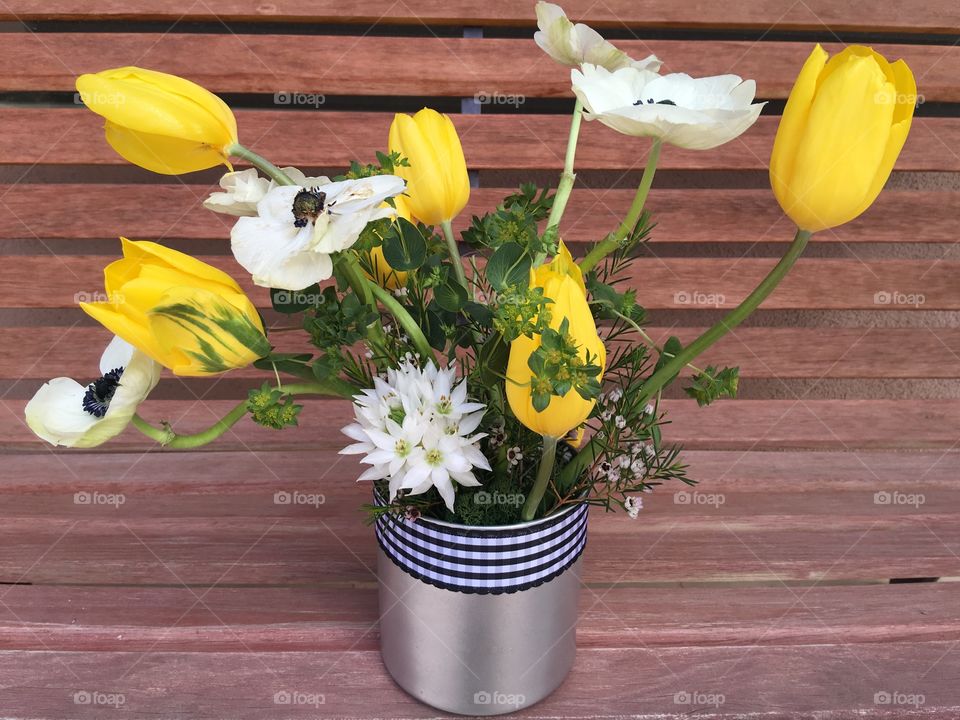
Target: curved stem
455 255
409 325
568 177
613 240
261 163
168 438
544 472
665 374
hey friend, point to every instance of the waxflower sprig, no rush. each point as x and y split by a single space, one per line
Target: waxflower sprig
501 361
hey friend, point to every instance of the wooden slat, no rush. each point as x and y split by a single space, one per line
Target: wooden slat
760 352
343 65
134 618
936 16
491 142
203 518
60 281
175 211
834 681
730 425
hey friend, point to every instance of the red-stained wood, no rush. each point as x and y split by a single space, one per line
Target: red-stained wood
59 136
223 518
935 16
132 619
760 352
61 281
729 425
345 65
744 216
829 681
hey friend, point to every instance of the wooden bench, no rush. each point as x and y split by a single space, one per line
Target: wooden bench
805 593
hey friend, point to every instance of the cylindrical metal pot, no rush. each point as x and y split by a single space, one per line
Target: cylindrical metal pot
480 620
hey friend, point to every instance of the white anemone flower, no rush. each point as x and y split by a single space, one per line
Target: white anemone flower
574 44
289 243
64 412
692 113
244 189
416 430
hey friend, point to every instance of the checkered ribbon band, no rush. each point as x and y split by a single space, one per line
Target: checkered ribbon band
484 560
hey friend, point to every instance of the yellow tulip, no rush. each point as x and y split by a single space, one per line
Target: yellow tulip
437 184
843 127
160 122
382 274
188 316
562 283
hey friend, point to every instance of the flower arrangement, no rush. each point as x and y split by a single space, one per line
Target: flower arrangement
495 362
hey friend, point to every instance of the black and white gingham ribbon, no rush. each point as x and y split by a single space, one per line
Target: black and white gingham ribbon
484 560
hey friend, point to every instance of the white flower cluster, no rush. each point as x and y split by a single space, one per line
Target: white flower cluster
414 426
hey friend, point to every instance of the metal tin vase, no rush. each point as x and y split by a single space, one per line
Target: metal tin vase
480 620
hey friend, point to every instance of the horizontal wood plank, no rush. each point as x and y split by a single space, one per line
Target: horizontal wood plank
68 136
745 216
61 281
936 16
215 518
729 425
343 65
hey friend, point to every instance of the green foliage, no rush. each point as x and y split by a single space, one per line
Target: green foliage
334 325
558 368
508 266
515 222
270 408
521 310
711 384
386 165
404 246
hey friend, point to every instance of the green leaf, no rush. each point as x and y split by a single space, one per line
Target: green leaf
711 385
480 314
509 265
492 359
404 247
451 296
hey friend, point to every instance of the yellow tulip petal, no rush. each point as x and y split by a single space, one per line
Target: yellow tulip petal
121 325
161 154
842 146
146 251
794 120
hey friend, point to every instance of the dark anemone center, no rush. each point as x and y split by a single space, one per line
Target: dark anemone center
651 101
100 392
307 206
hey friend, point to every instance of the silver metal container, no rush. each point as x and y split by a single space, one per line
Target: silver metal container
480 621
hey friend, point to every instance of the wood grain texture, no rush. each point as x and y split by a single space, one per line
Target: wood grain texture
344 65
61 281
744 216
759 352
65 136
936 16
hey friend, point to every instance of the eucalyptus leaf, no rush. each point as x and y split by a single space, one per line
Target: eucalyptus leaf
404 248
509 265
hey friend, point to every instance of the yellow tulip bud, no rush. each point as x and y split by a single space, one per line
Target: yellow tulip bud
843 127
437 184
562 283
160 122
188 316
380 271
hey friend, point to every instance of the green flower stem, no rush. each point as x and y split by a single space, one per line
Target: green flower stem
455 255
168 438
613 240
268 168
665 374
568 177
406 321
543 477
